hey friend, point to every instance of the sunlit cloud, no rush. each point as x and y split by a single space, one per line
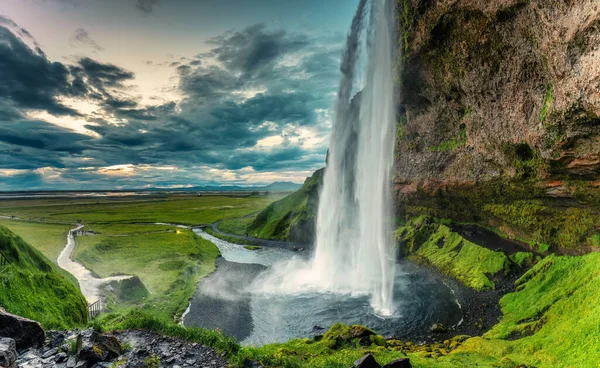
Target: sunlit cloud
77 125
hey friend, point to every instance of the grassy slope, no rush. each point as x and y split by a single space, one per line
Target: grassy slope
435 244
31 286
290 214
50 239
238 226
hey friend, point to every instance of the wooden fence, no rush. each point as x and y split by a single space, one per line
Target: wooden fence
3 260
94 310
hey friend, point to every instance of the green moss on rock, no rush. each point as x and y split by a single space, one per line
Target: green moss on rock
437 245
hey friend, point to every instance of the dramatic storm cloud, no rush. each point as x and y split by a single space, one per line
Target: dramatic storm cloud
251 105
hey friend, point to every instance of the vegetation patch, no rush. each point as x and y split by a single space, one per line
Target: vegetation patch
452 144
544 226
546 105
31 286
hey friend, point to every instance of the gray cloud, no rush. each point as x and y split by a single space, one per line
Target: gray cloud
146 6
29 80
81 37
253 84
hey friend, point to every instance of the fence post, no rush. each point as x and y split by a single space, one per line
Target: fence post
94 310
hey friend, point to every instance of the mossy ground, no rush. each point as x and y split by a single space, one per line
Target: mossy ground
435 244
33 287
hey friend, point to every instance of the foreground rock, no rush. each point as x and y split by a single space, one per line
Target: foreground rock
25 332
368 361
8 353
130 349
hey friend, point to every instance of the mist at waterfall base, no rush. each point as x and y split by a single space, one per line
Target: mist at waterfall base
272 295
251 297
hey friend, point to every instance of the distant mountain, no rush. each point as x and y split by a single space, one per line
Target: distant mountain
281 186
278 186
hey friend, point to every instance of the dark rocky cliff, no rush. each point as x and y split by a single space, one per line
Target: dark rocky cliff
499 117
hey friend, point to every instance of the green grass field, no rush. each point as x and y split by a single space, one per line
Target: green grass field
181 209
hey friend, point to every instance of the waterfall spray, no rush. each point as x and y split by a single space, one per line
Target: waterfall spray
354 246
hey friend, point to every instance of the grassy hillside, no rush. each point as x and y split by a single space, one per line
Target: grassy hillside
291 218
32 286
50 239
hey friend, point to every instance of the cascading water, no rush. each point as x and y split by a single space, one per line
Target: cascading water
354 246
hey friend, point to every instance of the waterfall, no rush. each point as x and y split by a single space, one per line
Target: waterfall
354 243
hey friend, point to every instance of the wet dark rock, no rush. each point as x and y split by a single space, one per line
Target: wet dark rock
50 353
399 363
8 352
96 347
367 361
55 338
25 332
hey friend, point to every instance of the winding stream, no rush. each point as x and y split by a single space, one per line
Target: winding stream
245 298
88 283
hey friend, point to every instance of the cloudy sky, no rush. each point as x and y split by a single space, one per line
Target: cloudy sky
166 93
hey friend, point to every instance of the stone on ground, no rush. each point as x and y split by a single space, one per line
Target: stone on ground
8 353
367 361
25 332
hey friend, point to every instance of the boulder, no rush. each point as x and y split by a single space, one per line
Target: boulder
367 361
8 353
399 363
95 347
25 332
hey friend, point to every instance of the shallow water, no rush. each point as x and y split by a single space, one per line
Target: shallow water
244 298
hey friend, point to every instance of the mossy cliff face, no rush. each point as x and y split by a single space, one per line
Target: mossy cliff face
292 218
499 117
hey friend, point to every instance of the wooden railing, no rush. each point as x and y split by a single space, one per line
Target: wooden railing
3 260
94 310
